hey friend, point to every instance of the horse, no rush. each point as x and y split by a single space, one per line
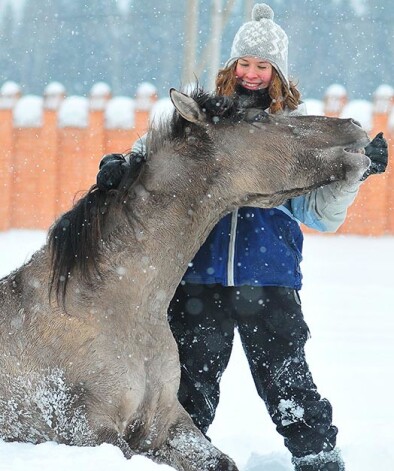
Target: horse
86 352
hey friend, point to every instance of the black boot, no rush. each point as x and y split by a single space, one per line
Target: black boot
324 461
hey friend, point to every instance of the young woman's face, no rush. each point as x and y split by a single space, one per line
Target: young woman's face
253 73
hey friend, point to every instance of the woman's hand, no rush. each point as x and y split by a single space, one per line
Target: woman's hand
377 151
112 168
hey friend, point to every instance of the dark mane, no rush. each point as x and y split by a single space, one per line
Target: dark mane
75 238
218 109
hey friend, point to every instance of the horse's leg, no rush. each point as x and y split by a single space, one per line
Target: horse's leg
111 436
186 449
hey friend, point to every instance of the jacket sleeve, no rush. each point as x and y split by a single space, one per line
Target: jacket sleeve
325 208
139 145
299 111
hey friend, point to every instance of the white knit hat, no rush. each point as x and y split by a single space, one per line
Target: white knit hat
262 38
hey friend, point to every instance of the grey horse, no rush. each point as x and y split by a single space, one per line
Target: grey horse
86 352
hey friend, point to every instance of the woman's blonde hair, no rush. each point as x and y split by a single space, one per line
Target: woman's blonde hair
280 93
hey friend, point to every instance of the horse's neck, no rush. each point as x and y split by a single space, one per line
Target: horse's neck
169 230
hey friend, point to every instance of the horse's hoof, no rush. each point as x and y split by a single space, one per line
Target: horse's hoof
226 464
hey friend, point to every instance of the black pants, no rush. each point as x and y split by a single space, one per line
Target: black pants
273 334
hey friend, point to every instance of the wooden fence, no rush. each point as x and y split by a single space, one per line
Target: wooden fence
46 165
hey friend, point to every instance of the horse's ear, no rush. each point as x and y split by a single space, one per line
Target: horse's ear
187 107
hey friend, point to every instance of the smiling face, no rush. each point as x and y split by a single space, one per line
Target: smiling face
253 73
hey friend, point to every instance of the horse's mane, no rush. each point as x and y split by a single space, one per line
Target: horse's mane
75 238
217 108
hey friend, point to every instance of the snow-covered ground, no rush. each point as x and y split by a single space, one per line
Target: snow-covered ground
348 300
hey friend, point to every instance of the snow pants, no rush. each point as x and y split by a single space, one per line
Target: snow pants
273 335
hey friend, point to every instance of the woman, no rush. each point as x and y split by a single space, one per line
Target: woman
247 274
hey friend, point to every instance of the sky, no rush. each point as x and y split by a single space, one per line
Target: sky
348 304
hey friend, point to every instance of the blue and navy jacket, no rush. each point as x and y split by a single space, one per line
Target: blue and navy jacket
251 246
263 247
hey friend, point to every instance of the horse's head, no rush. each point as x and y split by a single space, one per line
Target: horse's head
279 156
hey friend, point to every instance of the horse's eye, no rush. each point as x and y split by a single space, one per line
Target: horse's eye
253 115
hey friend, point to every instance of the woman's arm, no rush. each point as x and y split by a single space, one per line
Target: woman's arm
139 146
325 208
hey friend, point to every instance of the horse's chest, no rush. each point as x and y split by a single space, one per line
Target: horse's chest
145 392
140 362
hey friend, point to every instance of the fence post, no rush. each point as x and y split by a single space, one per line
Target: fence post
335 99
99 96
10 93
119 125
390 175
73 119
145 97
27 122
383 106
372 200
54 94
383 99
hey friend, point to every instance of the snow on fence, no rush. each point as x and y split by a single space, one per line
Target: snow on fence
51 146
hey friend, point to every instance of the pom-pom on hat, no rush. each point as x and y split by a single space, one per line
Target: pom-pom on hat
262 38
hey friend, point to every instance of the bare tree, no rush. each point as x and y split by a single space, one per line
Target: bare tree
215 42
190 43
210 57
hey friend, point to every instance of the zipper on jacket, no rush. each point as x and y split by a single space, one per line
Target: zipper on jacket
231 248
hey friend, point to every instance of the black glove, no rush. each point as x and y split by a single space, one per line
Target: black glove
110 158
112 168
219 107
377 151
